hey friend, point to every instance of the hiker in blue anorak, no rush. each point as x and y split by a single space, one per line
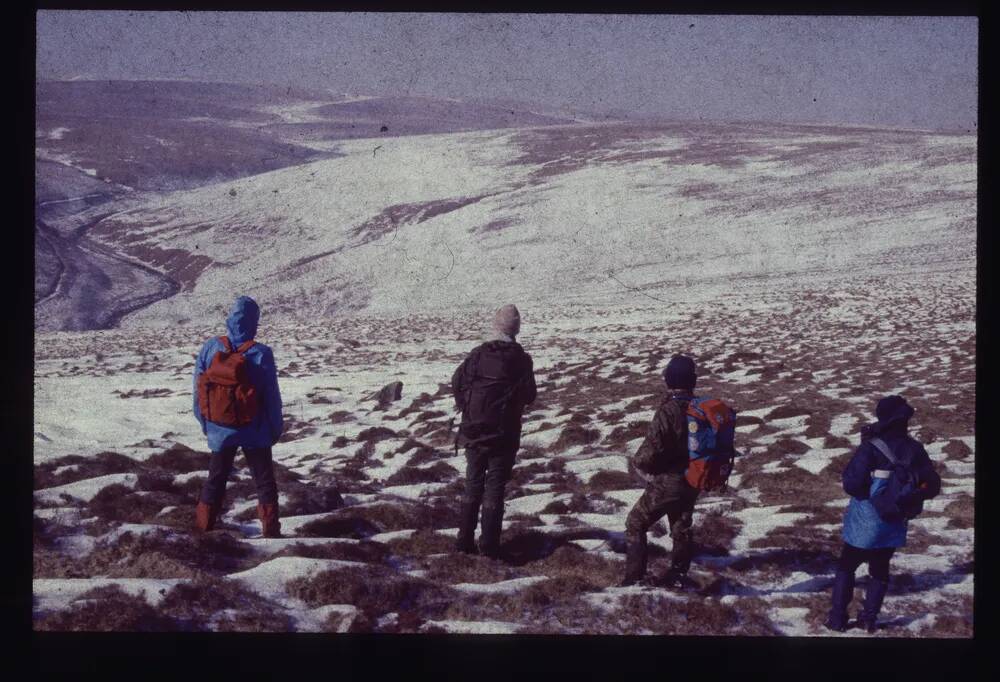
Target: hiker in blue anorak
873 530
238 404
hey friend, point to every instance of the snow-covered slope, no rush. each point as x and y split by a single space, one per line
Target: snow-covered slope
560 215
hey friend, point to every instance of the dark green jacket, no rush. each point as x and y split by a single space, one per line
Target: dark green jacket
665 450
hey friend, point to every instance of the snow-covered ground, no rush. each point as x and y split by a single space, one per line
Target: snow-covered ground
809 272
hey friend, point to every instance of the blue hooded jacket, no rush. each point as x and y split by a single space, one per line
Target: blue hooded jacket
863 527
267 426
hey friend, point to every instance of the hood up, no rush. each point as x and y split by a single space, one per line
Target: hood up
241 325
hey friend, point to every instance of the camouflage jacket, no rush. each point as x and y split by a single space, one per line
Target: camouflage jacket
665 451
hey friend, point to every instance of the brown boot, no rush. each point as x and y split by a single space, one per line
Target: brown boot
270 525
205 516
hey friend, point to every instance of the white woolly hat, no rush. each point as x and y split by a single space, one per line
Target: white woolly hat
507 320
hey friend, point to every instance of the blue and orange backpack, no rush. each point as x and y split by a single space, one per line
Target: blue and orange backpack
711 447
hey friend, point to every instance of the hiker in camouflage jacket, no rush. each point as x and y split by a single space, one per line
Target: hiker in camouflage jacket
663 455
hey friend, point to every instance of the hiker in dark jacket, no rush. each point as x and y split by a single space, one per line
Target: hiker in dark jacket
664 456
868 538
492 386
255 438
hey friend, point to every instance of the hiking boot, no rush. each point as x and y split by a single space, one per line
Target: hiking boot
269 523
205 516
635 562
835 624
467 516
868 626
843 591
491 521
874 595
466 547
677 579
489 551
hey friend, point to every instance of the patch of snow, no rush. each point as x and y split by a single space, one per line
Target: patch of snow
586 468
500 587
314 620
54 594
791 620
414 491
533 504
270 577
759 521
86 489
393 535
815 461
474 627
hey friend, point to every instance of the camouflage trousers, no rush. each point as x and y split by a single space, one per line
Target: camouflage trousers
666 495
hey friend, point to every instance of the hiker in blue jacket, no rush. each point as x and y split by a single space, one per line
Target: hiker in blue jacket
255 438
868 537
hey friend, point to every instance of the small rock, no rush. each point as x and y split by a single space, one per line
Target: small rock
389 394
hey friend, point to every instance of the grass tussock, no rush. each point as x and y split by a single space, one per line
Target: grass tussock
197 605
82 468
794 486
119 503
439 472
696 616
374 591
456 567
962 512
421 543
107 609
613 480
571 561
800 538
716 531
575 434
364 551
376 434
159 554
179 459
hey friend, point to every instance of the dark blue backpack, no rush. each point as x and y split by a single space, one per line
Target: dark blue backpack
899 498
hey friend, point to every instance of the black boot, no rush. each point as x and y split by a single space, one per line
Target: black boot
843 591
635 561
467 528
874 595
492 522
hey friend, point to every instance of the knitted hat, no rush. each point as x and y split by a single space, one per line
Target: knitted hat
891 409
507 320
680 372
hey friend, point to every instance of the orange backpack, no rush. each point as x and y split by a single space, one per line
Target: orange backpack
711 432
225 394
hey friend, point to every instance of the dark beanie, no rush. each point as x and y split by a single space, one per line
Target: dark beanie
680 372
892 409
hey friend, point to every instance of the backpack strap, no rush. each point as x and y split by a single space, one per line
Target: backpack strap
243 348
885 450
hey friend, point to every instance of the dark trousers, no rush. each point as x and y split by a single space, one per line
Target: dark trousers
843 583
877 559
487 470
667 495
221 465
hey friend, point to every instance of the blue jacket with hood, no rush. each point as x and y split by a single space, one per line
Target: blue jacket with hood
266 428
863 527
